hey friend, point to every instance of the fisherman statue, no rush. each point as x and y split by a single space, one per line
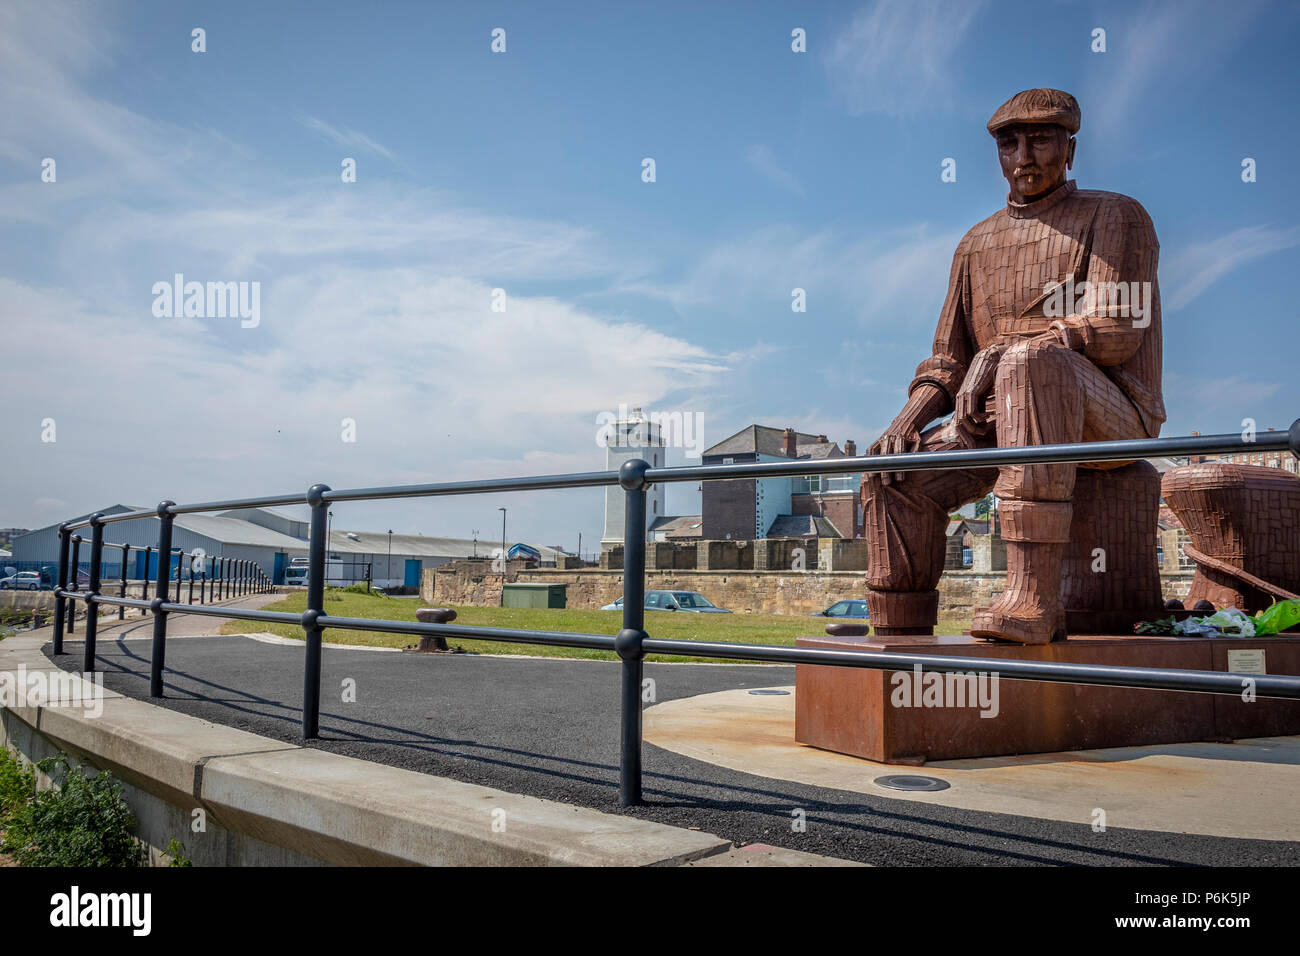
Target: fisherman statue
1050 333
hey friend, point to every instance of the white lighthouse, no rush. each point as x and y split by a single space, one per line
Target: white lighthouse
631 436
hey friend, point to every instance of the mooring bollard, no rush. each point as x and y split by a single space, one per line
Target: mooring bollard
433 643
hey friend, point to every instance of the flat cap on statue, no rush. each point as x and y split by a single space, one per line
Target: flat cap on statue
1038 106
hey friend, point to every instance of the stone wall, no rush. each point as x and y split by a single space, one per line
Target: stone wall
471 582
764 592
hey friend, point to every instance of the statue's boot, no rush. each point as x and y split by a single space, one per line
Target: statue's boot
899 613
1030 610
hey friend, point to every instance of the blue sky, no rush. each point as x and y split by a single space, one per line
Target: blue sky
522 170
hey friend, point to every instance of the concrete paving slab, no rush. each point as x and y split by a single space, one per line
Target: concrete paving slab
338 803
1244 789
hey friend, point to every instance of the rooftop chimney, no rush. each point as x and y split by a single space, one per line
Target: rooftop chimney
823 440
850 448
789 445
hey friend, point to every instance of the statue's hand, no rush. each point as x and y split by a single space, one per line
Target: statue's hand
900 438
968 407
925 402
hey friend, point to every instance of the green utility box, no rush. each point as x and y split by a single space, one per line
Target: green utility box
534 595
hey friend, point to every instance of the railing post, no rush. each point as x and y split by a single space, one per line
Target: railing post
92 593
144 585
121 608
75 583
159 615
191 563
631 476
315 609
61 582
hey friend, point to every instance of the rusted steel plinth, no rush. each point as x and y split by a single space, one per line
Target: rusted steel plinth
907 718
434 643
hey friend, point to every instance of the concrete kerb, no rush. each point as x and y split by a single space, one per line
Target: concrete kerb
264 800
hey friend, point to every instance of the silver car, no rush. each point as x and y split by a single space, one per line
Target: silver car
673 601
22 581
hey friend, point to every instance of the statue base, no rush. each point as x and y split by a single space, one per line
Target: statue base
893 717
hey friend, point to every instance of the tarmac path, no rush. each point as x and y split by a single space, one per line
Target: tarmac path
549 727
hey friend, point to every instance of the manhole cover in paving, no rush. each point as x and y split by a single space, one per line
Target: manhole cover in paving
770 693
907 781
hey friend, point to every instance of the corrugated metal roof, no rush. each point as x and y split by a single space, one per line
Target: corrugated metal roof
238 531
376 542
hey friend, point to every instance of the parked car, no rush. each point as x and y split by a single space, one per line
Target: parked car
673 601
22 581
849 608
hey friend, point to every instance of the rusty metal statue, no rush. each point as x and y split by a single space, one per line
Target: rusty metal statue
1050 333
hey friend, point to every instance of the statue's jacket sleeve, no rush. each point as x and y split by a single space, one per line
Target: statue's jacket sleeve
953 344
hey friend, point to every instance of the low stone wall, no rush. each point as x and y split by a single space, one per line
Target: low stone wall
763 592
237 799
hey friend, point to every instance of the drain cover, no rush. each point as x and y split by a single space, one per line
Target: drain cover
907 781
770 693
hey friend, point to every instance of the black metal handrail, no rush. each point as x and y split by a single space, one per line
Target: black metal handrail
632 643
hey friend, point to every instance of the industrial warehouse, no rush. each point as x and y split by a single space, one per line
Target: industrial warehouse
270 539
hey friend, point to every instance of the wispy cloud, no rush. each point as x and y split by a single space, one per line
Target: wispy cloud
763 161
376 305
1158 48
897 57
1202 264
347 138
898 277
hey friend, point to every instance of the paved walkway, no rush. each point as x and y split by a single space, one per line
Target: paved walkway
1242 789
549 728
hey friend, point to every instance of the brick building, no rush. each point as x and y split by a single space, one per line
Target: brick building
745 509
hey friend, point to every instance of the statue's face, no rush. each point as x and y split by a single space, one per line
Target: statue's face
1034 158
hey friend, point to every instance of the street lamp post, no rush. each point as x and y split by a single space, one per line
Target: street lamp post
504 556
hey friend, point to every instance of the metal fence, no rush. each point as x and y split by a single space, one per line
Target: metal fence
632 643
218 578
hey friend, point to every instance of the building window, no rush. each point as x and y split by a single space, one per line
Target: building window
1184 562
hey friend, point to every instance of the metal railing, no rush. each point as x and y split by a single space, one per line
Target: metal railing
218 577
632 643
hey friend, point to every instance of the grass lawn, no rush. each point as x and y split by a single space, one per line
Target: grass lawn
779 629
